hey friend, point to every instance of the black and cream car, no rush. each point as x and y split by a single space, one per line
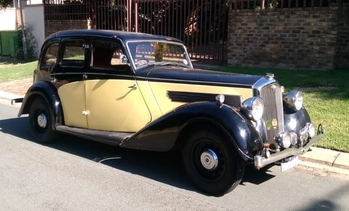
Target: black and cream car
141 91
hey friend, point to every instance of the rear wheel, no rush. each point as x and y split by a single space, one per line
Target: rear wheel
40 121
211 162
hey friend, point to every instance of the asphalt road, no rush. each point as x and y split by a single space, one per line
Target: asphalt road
76 174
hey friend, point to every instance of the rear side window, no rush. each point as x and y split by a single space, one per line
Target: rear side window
51 55
74 53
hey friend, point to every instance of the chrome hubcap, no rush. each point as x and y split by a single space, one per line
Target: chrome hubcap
42 120
209 159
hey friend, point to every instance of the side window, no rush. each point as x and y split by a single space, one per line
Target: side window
107 54
74 53
51 55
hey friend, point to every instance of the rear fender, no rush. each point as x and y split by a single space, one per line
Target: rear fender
162 134
48 92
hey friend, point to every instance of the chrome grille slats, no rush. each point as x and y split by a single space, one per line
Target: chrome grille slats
273 113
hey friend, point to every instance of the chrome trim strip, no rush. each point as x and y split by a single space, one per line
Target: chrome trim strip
260 162
235 85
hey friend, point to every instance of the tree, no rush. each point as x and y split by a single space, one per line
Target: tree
5 3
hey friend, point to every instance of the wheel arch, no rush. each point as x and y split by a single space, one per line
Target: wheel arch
196 123
295 121
48 92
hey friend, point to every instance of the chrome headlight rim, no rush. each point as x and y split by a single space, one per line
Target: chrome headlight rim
294 100
254 108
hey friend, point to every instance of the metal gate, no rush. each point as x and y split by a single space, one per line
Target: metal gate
200 24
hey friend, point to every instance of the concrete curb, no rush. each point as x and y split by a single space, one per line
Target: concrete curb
315 158
327 157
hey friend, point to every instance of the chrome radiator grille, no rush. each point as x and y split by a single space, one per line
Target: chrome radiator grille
273 113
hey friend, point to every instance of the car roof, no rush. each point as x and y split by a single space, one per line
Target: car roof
123 35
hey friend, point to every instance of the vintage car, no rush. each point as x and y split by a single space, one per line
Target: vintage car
141 91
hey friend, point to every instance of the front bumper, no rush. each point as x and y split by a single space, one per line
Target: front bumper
260 162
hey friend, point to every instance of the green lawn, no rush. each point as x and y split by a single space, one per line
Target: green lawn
13 71
326 99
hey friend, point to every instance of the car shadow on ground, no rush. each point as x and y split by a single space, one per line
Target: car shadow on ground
18 127
255 176
164 167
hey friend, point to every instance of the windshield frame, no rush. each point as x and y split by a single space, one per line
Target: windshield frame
131 59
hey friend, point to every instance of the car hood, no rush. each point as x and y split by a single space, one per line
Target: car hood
198 76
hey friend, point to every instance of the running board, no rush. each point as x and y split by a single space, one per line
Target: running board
108 137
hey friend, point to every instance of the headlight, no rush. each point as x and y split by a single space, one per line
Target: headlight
294 100
253 108
286 139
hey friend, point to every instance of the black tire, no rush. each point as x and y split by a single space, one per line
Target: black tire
40 122
211 162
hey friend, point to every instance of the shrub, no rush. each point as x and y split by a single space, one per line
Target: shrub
32 46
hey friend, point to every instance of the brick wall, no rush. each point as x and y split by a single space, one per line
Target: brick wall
53 26
341 57
311 38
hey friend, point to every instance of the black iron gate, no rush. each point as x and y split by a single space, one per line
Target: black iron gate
200 24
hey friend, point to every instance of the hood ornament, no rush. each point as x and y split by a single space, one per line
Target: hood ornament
270 76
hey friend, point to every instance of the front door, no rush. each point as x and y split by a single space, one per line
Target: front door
113 100
115 105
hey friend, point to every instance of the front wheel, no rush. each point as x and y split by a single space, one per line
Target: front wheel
40 121
212 162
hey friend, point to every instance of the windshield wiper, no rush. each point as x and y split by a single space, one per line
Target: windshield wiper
154 64
145 65
170 63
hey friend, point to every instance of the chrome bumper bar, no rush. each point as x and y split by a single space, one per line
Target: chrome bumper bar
260 162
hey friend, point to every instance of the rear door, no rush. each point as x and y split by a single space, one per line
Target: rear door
70 79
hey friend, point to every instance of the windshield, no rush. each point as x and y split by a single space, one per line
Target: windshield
145 53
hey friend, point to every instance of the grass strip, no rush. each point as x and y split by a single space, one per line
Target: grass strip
11 71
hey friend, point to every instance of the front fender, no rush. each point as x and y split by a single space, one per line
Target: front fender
296 121
161 134
48 92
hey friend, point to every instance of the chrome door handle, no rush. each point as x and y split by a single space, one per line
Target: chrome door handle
134 86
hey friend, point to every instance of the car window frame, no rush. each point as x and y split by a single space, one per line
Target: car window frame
42 62
61 54
126 70
131 59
